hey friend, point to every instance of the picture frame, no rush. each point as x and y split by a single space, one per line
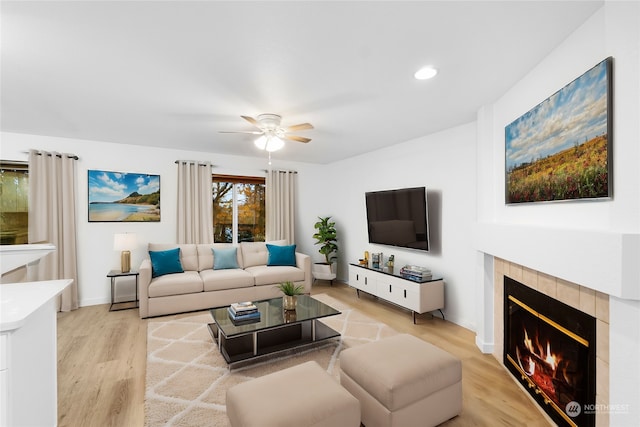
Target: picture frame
562 148
123 197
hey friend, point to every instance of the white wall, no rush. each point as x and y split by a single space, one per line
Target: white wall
612 31
95 240
445 164
589 226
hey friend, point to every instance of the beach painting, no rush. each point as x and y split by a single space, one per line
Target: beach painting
123 197
560 150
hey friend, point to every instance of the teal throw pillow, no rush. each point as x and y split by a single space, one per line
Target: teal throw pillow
224 259
165 262
281 255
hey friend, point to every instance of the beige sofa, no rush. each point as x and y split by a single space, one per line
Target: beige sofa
201 286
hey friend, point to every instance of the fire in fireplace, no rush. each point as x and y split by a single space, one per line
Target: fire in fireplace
550 349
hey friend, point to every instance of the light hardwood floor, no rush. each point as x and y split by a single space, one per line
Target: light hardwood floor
102 360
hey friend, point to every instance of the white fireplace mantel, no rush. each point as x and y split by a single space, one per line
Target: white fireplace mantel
606 261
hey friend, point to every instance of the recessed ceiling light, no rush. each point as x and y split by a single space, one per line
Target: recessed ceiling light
425 73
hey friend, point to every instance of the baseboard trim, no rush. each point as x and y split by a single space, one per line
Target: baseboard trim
93 301
486 348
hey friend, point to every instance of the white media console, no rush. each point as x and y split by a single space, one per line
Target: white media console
417 297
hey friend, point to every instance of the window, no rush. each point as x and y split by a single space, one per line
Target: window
238 209
14 203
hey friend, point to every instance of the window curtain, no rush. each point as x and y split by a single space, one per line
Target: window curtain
195 202
280 205
52 218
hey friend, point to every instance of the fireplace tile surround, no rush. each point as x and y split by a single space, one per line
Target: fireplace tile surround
592 302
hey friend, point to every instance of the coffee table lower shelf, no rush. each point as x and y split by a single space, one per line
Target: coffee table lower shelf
272 340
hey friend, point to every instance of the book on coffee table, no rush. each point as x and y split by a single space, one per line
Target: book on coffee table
240 308
245 316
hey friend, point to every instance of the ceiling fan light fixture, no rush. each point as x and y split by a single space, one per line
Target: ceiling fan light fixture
261 142
272 135
274 144
425 73
269 142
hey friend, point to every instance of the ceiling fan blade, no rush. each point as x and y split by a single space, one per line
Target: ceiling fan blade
252 132
297 138
252 121
301 126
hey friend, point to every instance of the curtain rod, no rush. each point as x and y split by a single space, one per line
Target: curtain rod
280 171
14 162
199 163
70 156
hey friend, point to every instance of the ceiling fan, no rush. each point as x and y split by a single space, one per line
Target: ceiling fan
272 133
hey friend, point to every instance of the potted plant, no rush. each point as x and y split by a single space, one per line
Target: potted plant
290 291
326 236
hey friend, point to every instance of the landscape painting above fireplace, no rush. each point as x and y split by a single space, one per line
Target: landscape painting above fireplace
561 149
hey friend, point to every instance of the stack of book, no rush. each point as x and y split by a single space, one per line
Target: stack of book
416 273
241 311
376 260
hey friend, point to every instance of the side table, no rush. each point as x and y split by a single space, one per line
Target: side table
113 275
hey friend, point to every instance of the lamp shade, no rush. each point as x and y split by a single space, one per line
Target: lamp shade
269 142
274 143
124 241
261 142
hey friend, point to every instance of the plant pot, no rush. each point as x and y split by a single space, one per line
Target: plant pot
289 302
290 316
324 271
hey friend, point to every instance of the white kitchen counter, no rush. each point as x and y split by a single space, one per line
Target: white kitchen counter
19 300
28 353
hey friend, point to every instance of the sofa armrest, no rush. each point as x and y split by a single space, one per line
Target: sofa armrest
303 262
144 280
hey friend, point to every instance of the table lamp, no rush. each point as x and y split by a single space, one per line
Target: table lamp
124 242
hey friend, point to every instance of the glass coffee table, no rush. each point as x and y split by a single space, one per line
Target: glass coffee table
276 331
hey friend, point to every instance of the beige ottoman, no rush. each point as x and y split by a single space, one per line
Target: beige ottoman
403 381
303 395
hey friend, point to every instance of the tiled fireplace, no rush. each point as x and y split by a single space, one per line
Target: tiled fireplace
550 348
585 301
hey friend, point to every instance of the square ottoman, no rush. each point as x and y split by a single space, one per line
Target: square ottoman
403 381
301 396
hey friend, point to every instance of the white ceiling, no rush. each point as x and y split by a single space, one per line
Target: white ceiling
175 73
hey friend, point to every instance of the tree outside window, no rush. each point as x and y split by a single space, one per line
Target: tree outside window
14 203
238 209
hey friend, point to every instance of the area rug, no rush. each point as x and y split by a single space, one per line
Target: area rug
187 378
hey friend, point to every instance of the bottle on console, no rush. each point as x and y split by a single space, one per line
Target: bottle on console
390 264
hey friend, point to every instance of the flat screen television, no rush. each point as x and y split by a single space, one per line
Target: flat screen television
398 218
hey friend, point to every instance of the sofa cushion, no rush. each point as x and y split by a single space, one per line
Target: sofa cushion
256 253
188 282
214 280
224 259
265 275
165 262
188 253
205 254
281 255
